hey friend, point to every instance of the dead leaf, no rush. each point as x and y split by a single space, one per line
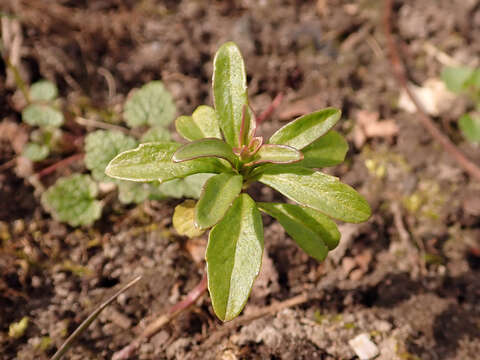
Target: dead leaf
24 167
196 248
433 95
15 134
368 126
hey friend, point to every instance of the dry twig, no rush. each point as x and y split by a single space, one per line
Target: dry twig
59 164
86 323
100 124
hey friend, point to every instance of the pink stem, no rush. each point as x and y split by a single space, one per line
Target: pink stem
191 297
242 128
59 164
271 108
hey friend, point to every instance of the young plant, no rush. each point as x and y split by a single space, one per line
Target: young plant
74 199
223 142
42 112
465 80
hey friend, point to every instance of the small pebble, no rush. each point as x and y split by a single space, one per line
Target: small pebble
18 226
382 325
363 347
120 319
36 281
228 355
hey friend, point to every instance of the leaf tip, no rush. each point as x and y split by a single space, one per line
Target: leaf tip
228 46
364 214
110 168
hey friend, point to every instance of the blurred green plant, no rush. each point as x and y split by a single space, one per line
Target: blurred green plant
223 143
151 105
466 81
152 108
73 200
101 146
43 113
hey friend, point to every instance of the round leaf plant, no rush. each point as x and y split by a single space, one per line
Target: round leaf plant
223 142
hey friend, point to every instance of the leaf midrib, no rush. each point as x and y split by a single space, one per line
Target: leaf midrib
331 198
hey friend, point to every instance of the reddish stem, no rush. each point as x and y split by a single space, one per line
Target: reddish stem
191 297
59 164
271 108
242 127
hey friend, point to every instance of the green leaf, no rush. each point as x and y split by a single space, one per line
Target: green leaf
329 150
229 91
202 124
151 105
472 85
314 232
171 189
470 127
73 200
35 152
183 220
194 184
217 196
455 78
306 129
188 187
101 146
156 134
319 191
44 344
43 90
47 136
131 192
234 257
42 115
210 147
474 80
153 161
277 154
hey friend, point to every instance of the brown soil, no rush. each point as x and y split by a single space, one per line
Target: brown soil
409 277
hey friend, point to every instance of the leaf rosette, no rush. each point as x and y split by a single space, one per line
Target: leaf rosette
222 141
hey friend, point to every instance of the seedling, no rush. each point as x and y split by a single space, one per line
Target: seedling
465 80
74 199
42 112
223 142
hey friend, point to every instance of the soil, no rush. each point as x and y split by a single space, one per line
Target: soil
409 277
